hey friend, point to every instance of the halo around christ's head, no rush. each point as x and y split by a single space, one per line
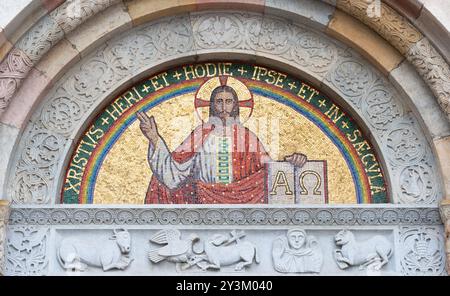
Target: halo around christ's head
203 96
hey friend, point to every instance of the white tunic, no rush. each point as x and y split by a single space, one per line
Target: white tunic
212 163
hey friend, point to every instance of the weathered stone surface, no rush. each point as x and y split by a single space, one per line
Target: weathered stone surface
416 239
50 5
4 216
97 30
434 70
444 210
32 89
366 41
26 249
9 9
414 232
25 21
43 36
74 12
420 99
423 251
61 57
5 48
330 2
239 5
439 9
434 21
238 31
13 69
442 147
390 25
8 136
191 214
313 13
409 8
142 11
2 39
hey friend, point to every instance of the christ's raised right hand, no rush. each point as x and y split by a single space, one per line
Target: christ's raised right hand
148 127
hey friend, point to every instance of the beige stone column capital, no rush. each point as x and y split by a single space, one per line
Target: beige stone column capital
4 216
444 209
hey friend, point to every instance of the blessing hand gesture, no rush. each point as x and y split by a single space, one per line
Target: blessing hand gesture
148 127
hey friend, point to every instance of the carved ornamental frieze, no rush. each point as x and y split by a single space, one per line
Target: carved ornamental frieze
188 240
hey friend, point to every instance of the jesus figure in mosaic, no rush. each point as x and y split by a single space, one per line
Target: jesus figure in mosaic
221 161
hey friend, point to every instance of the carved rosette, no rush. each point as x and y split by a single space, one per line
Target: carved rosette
422 251
4 216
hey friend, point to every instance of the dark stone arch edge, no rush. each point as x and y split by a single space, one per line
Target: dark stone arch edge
223 215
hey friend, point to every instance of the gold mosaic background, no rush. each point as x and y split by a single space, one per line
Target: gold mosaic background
125 173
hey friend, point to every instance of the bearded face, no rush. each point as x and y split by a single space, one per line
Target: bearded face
224 103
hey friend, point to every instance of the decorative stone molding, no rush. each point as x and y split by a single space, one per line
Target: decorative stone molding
413 247
39 39
73 13
423 251
191 215
13 70
393 27
410 42
434 70
46 139
4 217
396 29
43 36
365 40
390 25
26 251
445 215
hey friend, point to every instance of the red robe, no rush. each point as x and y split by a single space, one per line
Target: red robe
248 184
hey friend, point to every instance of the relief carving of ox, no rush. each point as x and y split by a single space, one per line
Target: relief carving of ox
374 252
76 255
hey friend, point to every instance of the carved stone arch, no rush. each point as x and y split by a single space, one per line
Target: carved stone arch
82 91
60 139
316 15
